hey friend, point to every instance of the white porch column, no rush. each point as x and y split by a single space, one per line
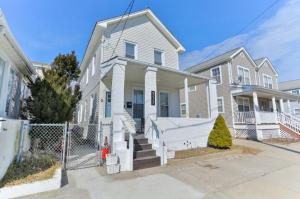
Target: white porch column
259 135
186 97
213 102
274 105
281 105
150 98
289 107
117 105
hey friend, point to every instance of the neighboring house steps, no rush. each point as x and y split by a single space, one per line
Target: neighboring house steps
289 125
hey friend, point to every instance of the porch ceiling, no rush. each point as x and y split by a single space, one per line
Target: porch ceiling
265 93
166 77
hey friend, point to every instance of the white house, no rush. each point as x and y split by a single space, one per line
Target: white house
15 72
130 75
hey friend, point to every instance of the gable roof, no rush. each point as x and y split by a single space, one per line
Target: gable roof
260 62
289 85
103 24
219 59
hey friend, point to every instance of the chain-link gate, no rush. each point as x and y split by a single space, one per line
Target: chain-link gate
82 143
74 145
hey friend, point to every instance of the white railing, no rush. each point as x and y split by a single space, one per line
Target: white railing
158 141
267 117
244 117
289 121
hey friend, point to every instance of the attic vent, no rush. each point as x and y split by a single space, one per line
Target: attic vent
242 54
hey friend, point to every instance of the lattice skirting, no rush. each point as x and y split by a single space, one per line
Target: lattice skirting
245 133
284 134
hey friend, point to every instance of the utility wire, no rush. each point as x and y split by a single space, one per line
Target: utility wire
129 9
255 19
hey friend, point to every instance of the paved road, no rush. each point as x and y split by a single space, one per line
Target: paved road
273 173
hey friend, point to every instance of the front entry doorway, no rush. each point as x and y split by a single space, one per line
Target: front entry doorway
138 109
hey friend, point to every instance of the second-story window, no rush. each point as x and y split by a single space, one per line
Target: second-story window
216 73
158 57
244 75
296 92
87 76
268 81
130 50
93 64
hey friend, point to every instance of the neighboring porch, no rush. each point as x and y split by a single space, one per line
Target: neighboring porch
143 98
257 110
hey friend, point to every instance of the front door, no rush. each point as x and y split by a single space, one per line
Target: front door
164 104
108 104
138 104
138 108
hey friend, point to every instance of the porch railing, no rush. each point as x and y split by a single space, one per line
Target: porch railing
289 121
244 117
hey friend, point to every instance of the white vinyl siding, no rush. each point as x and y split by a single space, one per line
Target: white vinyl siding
145 34
244 75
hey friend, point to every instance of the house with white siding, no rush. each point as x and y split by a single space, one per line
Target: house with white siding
248 96
292 86
130 75
16 71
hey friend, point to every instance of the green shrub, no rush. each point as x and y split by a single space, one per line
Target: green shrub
220 136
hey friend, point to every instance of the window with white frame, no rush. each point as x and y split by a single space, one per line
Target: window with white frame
85 111
130 50
183 110
87 75
80 112
243 75
243 104
268 81
192 88
220 105
93 65
158 57
216 73
297 111
296 92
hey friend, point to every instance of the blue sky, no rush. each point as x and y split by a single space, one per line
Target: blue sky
46 28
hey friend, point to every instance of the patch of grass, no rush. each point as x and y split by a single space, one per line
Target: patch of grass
31 170
208 150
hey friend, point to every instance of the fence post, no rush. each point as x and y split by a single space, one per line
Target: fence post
65 148
100 132
21 140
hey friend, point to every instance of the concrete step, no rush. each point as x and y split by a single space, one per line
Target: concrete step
139 147
146 162
144 153
140 140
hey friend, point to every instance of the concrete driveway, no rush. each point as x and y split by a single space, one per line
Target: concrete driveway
273 173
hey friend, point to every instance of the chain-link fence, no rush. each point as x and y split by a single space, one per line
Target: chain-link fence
74 145
47 139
